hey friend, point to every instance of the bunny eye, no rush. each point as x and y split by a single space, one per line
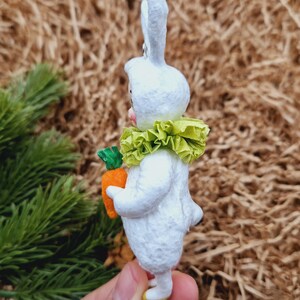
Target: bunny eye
130 91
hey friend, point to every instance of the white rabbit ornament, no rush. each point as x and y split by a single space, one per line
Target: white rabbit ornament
155 205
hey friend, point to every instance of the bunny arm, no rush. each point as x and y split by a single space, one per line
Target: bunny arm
154 182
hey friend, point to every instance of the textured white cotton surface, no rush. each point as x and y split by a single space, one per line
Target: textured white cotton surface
155 205
157 210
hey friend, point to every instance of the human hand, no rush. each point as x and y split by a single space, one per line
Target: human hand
132 282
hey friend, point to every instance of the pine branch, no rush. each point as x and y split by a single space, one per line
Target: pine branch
51 239
29 234
15 120
43 158
41 88
97 236
68 278
24 102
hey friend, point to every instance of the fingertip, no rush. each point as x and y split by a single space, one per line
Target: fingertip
103 292
137 272
184 287
131 283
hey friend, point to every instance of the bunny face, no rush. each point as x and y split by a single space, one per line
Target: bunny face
158 92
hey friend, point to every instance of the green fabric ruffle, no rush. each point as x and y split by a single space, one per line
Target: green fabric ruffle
186 137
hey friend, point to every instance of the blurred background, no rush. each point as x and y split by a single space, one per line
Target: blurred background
242 61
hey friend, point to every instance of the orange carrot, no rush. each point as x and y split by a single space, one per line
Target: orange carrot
115 176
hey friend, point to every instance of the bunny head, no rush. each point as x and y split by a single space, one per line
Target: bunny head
158 91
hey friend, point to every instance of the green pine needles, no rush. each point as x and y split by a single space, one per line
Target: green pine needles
53 237
48 155
25 102
66 279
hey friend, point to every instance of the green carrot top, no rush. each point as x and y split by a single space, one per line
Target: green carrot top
112 157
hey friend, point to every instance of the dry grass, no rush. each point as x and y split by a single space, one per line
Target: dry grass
242 60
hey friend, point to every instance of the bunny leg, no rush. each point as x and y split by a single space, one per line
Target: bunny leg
163 288
152 282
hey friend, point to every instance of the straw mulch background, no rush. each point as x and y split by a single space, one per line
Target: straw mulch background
242 61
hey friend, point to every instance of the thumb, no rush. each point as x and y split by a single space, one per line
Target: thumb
132 283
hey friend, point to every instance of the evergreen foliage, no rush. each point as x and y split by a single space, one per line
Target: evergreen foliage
68 278
25 101
40 159
29 233
53 238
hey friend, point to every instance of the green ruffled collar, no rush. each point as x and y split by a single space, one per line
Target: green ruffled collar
186 137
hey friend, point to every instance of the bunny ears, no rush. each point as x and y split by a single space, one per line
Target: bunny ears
154 25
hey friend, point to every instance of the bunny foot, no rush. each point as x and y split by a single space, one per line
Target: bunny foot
163 288
155 294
